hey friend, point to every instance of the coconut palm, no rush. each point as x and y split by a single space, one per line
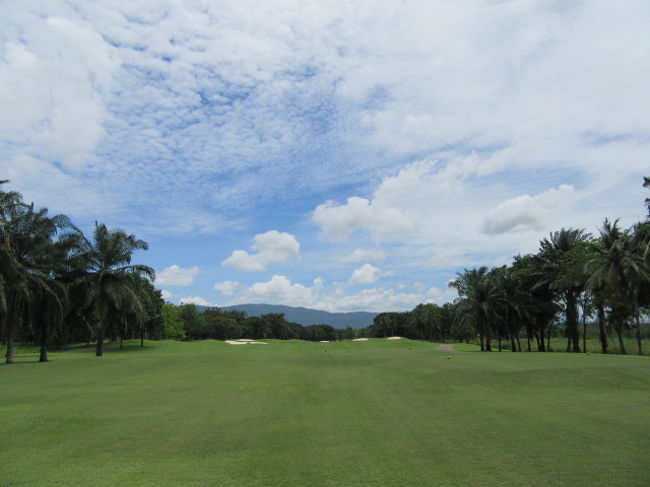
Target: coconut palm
479 303
619 271
35 247
109 277
562 270
536 306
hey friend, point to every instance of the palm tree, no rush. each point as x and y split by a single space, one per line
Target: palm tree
34 248
563 256
536 305
480 299
111 291
619 270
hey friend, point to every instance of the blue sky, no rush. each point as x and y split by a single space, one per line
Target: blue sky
336 155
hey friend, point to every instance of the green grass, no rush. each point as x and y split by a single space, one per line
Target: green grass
293 413
558 344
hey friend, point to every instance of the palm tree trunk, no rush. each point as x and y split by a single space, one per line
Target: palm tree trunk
9 356
638 334
99 351
43 355
619 333
584 333
572 322
518 343
601 329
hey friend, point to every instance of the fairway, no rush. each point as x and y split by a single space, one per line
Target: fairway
294 413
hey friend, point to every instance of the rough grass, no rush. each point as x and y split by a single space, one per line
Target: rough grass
378 413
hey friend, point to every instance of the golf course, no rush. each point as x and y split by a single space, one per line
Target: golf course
297 413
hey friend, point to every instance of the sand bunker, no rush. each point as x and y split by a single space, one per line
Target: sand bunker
324 341
394 338
244 341
359 339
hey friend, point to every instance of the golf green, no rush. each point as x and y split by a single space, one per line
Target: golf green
294 413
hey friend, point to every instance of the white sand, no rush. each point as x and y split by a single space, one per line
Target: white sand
394 338
324 341
244 341
359 339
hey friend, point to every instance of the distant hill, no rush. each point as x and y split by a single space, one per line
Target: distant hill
306 316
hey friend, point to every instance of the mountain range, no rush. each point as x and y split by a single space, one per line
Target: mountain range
305 316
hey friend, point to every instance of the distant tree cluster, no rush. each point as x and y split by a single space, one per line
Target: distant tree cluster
186 322
59 287
573 278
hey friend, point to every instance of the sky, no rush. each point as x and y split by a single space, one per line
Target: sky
342 156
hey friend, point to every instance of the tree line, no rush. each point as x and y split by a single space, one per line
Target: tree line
57 286
574 279
185 322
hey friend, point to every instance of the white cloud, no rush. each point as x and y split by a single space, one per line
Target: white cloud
528 212
359 255
227 288
434 131
366 274
51 89
270 247
166 295
196 300
177 276
375 299
337 222
244 261
279 289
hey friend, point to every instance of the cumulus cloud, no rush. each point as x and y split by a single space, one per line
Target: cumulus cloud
177 276
378 299
366 274
270 247
227 288
359 255
337 222
196 300
279 289
527 212
166 295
